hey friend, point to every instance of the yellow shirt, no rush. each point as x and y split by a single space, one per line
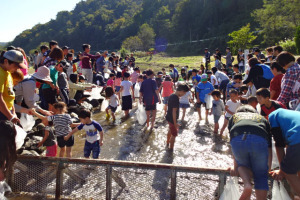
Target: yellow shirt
6 88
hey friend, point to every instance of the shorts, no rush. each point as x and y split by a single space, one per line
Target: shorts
62 142
173 130
253 154
113 109
291 162
166 100
223 86
51 151
198 105
92 147
49 96
217 118
184 105
118 88
126 102
228 118
150 107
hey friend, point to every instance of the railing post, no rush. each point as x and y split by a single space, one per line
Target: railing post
173 184
222 182
108 182
59 180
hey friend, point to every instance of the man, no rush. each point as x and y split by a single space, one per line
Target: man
175 73
258 54
100 62
132 60
207 58
86 65
276 51
218 53
66 51
241 61
36 53
228 57
52 44
39 58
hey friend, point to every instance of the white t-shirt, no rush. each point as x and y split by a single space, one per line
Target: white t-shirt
212 78
185 99
232 107
113 100
126 88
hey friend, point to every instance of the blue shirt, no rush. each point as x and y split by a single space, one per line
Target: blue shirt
196 79
148 88
204 89
175 73
289 122
100 61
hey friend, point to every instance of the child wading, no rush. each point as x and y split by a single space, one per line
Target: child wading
217 109
126 86
173 114
168 89
113 102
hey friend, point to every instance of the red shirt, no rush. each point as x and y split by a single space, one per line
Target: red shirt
275 85
274 106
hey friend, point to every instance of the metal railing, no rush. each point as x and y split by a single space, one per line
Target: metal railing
108 179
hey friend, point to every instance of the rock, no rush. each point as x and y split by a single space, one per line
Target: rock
26 153
95 103
87 105
74 115
34 153
37 138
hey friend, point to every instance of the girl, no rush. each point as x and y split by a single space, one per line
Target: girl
113 102
184 102
111 82
168 89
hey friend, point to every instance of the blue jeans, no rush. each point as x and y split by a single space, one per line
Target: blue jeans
253 154
92 147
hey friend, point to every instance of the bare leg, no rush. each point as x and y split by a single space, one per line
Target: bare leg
294 182
165 109
261 194
206 116
113 116
224 126
168 137
216 128
172 142
148 118
126 113
246 175
199 113
183 113
153 118
62 152
69 152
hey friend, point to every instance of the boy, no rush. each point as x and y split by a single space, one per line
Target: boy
126 85
230 70
217 109
203 88
175 73
159 79
150 96
94 134
235 84
252 101
195 77
212 79
231 107
267 105
236 69
285 128
173 114
164 71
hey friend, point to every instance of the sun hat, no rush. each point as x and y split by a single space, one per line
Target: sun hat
204 77
43 73
15 56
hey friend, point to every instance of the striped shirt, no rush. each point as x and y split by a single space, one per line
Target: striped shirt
61 124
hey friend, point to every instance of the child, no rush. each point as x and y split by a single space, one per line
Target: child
118 81
111 82
275 84
217 109
231 107
175 76
62 124
126 86
168 89
173 114
183 73
267 105
113 102
184 102
252 101
203 88
164 71
159 79
134 76
94 134
212 79
49 139
236 69
235 84
195 77
230 70
149 95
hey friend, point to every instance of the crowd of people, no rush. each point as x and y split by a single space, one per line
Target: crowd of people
259 98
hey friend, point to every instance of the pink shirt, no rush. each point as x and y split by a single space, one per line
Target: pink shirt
25 71
118 81
167 88
134 77
110 82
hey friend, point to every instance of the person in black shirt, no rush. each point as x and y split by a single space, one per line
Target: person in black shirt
173 114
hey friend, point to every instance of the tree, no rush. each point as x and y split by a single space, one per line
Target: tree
241 38
132 43
297 39
147 36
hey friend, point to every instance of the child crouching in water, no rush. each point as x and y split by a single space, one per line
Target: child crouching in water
62 124
217 109
113 103
94 134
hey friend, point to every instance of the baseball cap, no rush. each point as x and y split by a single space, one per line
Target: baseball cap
204 77
15 56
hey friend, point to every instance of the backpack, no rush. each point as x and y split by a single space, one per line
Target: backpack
267 73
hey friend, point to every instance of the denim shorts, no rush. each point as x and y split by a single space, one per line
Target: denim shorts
253 154
184 105
118 88
92 147
166 100
113 109
216 118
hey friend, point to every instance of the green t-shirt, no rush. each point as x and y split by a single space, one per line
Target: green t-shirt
53 76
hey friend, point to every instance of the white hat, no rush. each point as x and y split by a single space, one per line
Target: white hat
43 73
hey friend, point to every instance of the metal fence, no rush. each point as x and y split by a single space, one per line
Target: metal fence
46 178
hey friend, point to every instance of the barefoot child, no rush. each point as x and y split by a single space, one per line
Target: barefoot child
126 87
173 114
184 103
94 134
217 109
113 103
168 89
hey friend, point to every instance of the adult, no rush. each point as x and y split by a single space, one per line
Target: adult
65 50
10 62
228 57
269 51
100 62
258 54
25 90
250 140
207 58
25 61
39 58
87 70
275 84
286 132
223 80
54 57
36 53
276 51
52 44
132 60
175 75
218 53
290 87
241 61
260 75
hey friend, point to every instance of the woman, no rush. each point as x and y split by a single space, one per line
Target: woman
250 141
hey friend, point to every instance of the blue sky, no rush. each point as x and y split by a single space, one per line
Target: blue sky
19 15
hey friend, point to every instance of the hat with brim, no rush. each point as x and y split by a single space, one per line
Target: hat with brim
16 57
204 77
43 73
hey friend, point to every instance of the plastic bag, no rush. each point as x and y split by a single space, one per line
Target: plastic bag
95 94
104 105
275 163
208 100
141 114
279 193
231 190
106 75
20 137
137 90
27 121
4 187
